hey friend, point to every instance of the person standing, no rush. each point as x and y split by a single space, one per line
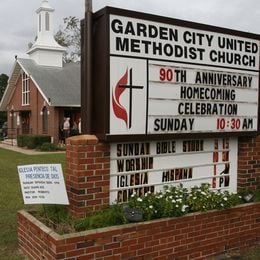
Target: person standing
66 128
79 126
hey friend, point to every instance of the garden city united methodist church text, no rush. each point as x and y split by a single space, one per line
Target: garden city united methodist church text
125 42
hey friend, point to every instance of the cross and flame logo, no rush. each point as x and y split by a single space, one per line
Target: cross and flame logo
119 111
121 86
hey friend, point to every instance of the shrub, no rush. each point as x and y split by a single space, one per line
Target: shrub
177 201
32 141
1 134
204 199
48 147
55 213
257 195
40 139
56 217
22 140
172 202
114 215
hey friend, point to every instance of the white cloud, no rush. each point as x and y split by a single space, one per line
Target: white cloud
18 18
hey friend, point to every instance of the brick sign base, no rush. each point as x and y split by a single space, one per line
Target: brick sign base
194 236
88 174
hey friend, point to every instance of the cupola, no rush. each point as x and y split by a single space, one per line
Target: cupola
46 51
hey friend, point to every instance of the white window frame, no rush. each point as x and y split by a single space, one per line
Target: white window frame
25 89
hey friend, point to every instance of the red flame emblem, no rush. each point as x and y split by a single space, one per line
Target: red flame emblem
119 111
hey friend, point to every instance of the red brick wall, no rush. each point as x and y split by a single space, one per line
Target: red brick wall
194 236
88 174
35 107
54 123
248 163
36 102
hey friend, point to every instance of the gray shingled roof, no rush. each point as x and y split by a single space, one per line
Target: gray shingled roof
60 86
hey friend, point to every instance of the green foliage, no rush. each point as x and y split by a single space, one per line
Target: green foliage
177 201
50 147
112 216
251 254
69 36
21 140
32 141
3 118
170 203
204 199
55 213
257 196
3 84
56 217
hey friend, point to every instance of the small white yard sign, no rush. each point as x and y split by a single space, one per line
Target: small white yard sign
42 184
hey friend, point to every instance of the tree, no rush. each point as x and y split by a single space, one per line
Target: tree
3 85
69 37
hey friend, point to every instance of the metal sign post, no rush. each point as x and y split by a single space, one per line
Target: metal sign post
86 85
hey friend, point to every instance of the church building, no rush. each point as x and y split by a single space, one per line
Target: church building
42 90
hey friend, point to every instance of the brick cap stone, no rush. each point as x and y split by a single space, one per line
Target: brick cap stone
82 140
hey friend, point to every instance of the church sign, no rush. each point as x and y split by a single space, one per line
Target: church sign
143 167
169 77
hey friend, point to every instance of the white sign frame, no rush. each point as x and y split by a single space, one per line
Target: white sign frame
132 52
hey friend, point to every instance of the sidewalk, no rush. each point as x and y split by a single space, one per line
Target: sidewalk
25 151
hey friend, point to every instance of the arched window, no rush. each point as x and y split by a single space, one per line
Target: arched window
47 21
45 120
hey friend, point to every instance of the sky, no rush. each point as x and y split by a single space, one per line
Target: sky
18 22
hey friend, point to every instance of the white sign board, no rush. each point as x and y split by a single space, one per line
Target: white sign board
42 184
141 167
168 79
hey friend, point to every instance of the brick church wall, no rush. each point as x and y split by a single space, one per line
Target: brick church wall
35 107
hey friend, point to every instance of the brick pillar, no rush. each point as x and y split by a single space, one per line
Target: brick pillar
87 178
248 163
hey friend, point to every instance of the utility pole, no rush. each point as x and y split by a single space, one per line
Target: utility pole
88 5
86 85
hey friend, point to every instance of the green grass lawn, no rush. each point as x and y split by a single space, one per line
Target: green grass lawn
11 197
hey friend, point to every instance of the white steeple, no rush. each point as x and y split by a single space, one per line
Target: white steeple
46 51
